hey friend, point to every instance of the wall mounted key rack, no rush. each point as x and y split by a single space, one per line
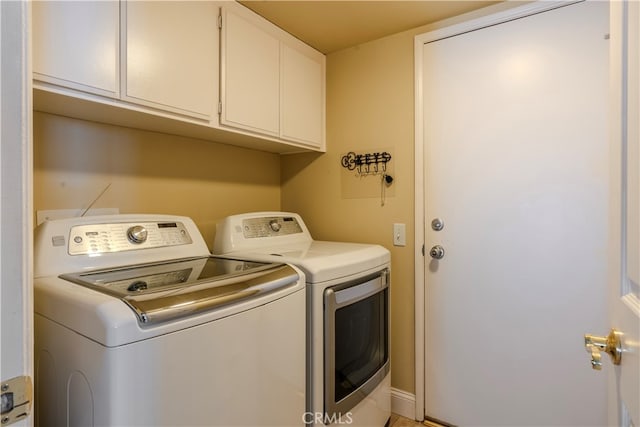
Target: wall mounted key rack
367 163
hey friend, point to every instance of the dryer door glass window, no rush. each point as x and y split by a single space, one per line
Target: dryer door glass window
356 341
361 343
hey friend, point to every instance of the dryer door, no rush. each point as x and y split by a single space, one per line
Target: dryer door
356 333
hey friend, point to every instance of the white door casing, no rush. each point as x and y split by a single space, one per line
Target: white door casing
16 298
519 176
624 253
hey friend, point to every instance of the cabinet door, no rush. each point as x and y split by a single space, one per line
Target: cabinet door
75 44
250 74
302 113
171 59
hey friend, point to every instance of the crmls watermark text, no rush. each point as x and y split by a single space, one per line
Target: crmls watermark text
321 417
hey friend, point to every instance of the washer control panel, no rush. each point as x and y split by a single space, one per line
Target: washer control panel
270 227
118 237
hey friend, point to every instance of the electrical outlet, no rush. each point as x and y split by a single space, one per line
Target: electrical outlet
399 235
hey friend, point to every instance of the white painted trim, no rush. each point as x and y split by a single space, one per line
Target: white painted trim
16 160
527 9
403 403
419 259
419 197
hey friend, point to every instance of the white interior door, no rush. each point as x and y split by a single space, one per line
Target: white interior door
624 274
515 165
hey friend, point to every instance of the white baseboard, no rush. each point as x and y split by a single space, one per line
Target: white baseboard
403 403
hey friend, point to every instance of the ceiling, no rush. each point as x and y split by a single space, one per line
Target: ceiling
330 26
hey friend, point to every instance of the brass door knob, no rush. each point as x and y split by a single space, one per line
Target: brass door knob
611 344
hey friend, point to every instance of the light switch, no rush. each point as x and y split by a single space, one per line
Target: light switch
399 235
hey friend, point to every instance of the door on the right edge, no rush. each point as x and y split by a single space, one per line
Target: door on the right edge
624 245
516 168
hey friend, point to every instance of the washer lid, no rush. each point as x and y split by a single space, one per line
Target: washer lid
164 291
322 261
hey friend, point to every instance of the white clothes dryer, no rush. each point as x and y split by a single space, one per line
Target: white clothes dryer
137 325
348 374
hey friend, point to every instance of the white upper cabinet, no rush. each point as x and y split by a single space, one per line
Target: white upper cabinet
302 95
250 74
76 45
170 56
169 66
272 83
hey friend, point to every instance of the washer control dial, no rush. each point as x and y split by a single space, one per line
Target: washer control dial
275 225
137 234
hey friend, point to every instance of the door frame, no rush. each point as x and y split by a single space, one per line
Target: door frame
501 16
16 183
624 305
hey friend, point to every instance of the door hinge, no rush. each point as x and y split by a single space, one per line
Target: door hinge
219 107
423 249
17 396
220 21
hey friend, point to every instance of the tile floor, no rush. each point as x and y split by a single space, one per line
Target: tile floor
398 421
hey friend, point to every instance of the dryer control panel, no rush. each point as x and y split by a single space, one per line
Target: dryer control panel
270 226
246 232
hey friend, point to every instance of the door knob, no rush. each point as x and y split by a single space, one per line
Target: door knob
611 344
437 252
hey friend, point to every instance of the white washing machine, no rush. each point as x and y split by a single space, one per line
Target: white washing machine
137 325
347 313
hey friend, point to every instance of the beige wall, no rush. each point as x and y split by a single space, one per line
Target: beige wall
369 108
75 160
